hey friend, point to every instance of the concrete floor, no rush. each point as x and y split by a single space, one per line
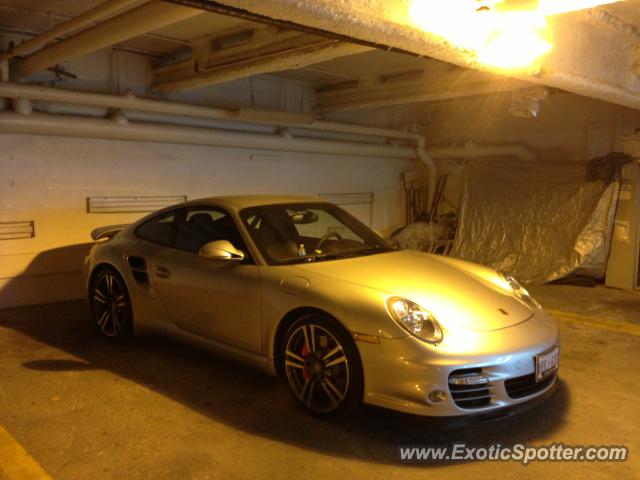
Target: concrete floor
152 408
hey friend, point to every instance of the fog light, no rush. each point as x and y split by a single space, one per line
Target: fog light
468 379
437 396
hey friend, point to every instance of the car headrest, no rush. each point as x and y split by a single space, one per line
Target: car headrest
201 220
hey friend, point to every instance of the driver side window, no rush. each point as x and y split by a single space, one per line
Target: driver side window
199 225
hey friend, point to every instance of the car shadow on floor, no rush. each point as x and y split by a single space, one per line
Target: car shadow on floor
257 403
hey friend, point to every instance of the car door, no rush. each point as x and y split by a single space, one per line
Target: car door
216 299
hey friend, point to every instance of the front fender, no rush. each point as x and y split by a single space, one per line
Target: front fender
359 309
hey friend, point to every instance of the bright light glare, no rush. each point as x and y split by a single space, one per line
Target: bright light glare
507 34
500 51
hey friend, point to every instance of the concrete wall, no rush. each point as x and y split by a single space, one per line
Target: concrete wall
48 180
570 128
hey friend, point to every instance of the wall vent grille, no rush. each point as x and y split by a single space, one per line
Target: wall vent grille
17 230
348 198
132 204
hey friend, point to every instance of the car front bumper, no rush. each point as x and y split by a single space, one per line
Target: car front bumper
401 373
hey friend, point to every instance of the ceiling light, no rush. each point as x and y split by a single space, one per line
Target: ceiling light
506 34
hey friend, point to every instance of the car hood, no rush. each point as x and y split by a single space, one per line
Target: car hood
452 290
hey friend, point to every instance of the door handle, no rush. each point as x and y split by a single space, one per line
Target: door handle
162 272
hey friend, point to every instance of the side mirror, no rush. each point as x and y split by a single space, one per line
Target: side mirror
221 250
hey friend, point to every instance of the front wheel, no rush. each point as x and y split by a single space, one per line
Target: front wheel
109 304
322 366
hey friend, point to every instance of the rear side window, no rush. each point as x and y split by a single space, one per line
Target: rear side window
160 230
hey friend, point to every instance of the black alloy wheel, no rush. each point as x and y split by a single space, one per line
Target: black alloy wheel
322 366
110 305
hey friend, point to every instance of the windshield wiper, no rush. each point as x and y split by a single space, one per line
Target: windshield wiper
335 256
312 258
370 251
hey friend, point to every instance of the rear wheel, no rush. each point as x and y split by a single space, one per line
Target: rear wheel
110 305
322 366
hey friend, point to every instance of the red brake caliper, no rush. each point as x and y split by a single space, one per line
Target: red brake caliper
303 353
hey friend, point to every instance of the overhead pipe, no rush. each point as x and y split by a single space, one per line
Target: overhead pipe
74 126
4 70
81 21
269 117
4 77
259 116
140 20
275 118
22 106
128 101
432 170
474 150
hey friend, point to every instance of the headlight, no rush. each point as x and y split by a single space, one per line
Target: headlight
520 292
416 320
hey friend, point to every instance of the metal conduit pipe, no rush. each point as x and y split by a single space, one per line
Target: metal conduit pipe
4 77
74 126
274 118
127 101
432 169
140 20
22 106
131 102
81 21
269 117
4 70
474 150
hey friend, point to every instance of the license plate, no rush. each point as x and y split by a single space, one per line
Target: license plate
547 363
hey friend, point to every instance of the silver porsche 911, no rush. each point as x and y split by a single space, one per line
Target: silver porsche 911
300 288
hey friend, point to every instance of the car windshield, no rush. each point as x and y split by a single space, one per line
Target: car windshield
307 232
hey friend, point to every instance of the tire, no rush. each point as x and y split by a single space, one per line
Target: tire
322 366
110 305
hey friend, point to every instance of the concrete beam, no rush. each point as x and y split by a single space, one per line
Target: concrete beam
594 54
245 52
412 87
150 16
81 21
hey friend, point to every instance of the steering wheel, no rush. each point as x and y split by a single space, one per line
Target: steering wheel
327 237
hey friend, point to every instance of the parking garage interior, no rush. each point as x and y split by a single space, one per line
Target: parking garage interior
439 125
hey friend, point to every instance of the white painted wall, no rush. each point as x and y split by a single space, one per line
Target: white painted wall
48 179
570 128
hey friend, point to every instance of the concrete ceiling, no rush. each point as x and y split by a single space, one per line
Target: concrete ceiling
595 51
608 73
627 11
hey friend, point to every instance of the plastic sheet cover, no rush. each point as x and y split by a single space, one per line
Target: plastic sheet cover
536 225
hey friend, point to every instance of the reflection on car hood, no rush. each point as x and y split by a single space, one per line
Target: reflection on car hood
447 288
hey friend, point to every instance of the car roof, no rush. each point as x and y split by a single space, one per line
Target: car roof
239 202
232 202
